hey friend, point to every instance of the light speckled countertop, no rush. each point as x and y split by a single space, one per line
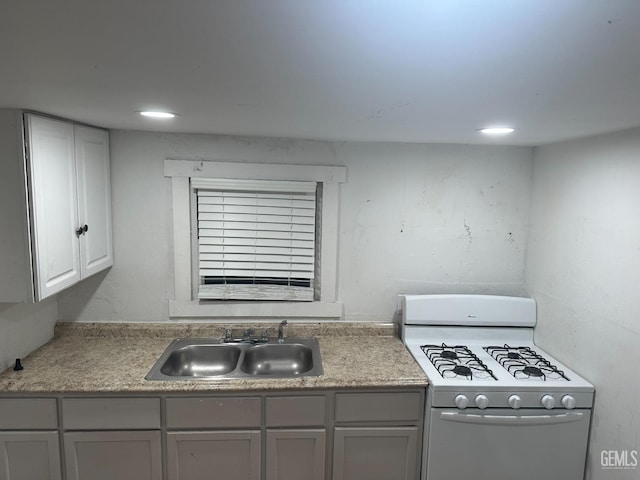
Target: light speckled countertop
115 357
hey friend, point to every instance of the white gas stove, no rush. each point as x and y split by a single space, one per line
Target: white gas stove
486 374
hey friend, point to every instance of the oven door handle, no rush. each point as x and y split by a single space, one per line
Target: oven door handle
511 419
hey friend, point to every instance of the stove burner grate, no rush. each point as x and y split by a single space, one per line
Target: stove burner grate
532 371
449 354
456 361
523 362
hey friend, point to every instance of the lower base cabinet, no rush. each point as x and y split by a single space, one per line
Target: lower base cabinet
343 435
126 455
375 453
228 455
295 454
29 456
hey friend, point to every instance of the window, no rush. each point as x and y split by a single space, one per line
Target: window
254 240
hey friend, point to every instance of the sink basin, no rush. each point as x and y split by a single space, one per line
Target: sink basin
277 360
201 359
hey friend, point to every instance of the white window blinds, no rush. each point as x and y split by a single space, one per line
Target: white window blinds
256 239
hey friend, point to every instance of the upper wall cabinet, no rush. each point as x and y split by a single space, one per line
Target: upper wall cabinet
56 205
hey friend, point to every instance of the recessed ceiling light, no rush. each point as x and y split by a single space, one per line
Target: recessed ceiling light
496 130
158 114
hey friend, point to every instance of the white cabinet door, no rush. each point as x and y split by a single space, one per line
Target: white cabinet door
94 199
54 211
70 202
29 456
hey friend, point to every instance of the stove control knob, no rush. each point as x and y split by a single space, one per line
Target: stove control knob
461 401
515 401
568 402
548 402
482 401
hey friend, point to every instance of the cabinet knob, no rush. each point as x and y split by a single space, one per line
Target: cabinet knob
82 230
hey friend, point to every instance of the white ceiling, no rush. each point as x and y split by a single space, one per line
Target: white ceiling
385 70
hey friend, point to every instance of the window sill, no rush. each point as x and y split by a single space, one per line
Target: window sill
229 309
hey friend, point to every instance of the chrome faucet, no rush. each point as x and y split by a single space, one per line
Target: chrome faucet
283 323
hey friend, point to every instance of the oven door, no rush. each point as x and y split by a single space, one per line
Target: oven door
500 444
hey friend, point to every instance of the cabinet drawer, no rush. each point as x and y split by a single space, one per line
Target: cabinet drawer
295 411
203 412
110 413
375 407
28 413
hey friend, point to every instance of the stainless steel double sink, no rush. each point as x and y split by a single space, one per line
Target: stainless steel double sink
202 359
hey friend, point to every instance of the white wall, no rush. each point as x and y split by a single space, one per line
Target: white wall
583 268
414 218
25 327
430 219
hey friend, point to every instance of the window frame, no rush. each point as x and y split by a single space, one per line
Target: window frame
183 304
